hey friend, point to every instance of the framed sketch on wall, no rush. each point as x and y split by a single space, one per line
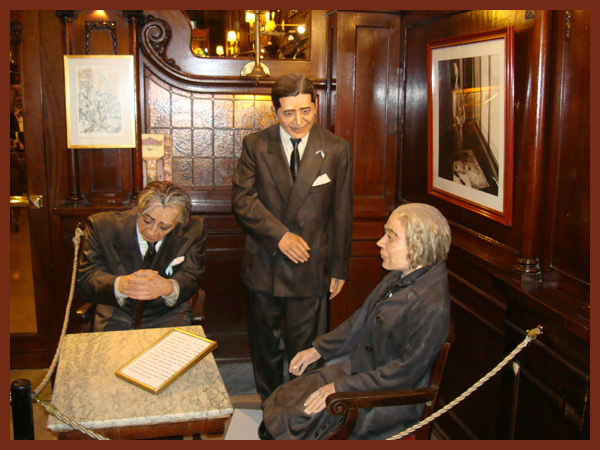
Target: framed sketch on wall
100 101
470 122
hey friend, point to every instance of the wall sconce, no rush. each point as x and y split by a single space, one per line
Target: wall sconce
232 42
256 69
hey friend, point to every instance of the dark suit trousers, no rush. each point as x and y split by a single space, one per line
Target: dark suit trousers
304 318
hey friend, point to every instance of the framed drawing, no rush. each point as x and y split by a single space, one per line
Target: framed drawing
470 122
100 101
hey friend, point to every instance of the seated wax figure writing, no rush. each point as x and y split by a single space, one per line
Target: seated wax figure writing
389 343
142 266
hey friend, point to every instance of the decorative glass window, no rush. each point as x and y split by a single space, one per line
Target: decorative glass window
206 130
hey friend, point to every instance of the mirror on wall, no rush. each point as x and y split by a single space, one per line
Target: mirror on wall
284 34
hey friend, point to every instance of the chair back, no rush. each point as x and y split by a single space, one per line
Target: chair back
435 379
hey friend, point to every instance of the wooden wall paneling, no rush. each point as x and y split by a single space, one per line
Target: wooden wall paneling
225 302
364 71
66 18
549 384
487 295
135 18
567 202
477 348
367 54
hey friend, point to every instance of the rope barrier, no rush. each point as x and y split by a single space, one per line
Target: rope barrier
531 335
56 413
49 408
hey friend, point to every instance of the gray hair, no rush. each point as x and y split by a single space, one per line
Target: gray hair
167 195
427 233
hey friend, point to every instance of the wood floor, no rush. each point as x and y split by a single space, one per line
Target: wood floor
22 302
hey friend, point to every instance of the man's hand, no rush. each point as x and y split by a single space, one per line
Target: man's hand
145 285
335 287
317 400
302 360
294 247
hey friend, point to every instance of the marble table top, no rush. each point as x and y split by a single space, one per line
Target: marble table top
88 391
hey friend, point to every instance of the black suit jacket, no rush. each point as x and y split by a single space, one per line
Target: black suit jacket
267 204
111 249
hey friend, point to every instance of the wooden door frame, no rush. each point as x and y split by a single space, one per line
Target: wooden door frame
32 350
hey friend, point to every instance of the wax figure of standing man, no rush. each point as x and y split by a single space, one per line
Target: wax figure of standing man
292 194
142 266
389 343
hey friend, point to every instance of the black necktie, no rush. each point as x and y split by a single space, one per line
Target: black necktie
148 258
150 253
295 162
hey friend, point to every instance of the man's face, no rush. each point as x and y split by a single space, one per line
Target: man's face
155 224
394 250
296 115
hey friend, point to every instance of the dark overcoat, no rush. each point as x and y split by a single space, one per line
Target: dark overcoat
389 343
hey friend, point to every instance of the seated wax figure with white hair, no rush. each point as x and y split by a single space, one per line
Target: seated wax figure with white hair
391 342
143 265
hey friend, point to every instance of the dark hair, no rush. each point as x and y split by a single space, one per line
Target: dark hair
167 195
290 85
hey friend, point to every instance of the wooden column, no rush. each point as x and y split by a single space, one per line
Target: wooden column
135 17
528 262
66 17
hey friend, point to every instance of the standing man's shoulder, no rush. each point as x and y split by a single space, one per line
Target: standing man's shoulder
329 137
262 137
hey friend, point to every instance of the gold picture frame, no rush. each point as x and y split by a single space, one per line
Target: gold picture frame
100 101
157 367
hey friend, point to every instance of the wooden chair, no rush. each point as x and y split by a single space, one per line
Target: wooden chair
85 313
347 404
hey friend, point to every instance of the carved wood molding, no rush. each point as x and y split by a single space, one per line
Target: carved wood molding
156 35
111 27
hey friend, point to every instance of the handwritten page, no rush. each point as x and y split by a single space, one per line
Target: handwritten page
165 359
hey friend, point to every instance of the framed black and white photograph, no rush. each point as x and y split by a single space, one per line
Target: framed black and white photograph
100 101
470 122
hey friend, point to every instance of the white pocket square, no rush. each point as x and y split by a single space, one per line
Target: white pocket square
174 263
321 179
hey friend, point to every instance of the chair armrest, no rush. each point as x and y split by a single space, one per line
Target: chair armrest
85 312
347 404
338 402
198 307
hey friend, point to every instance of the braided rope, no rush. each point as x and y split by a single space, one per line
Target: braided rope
531 335
76 241
56 413
49 408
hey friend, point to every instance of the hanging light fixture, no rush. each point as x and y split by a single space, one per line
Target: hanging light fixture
256 69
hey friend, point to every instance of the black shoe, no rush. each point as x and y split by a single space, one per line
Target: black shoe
263 433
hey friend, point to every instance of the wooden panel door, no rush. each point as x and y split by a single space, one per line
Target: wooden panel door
33 339
365 58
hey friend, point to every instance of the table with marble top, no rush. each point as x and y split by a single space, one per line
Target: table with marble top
87 391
